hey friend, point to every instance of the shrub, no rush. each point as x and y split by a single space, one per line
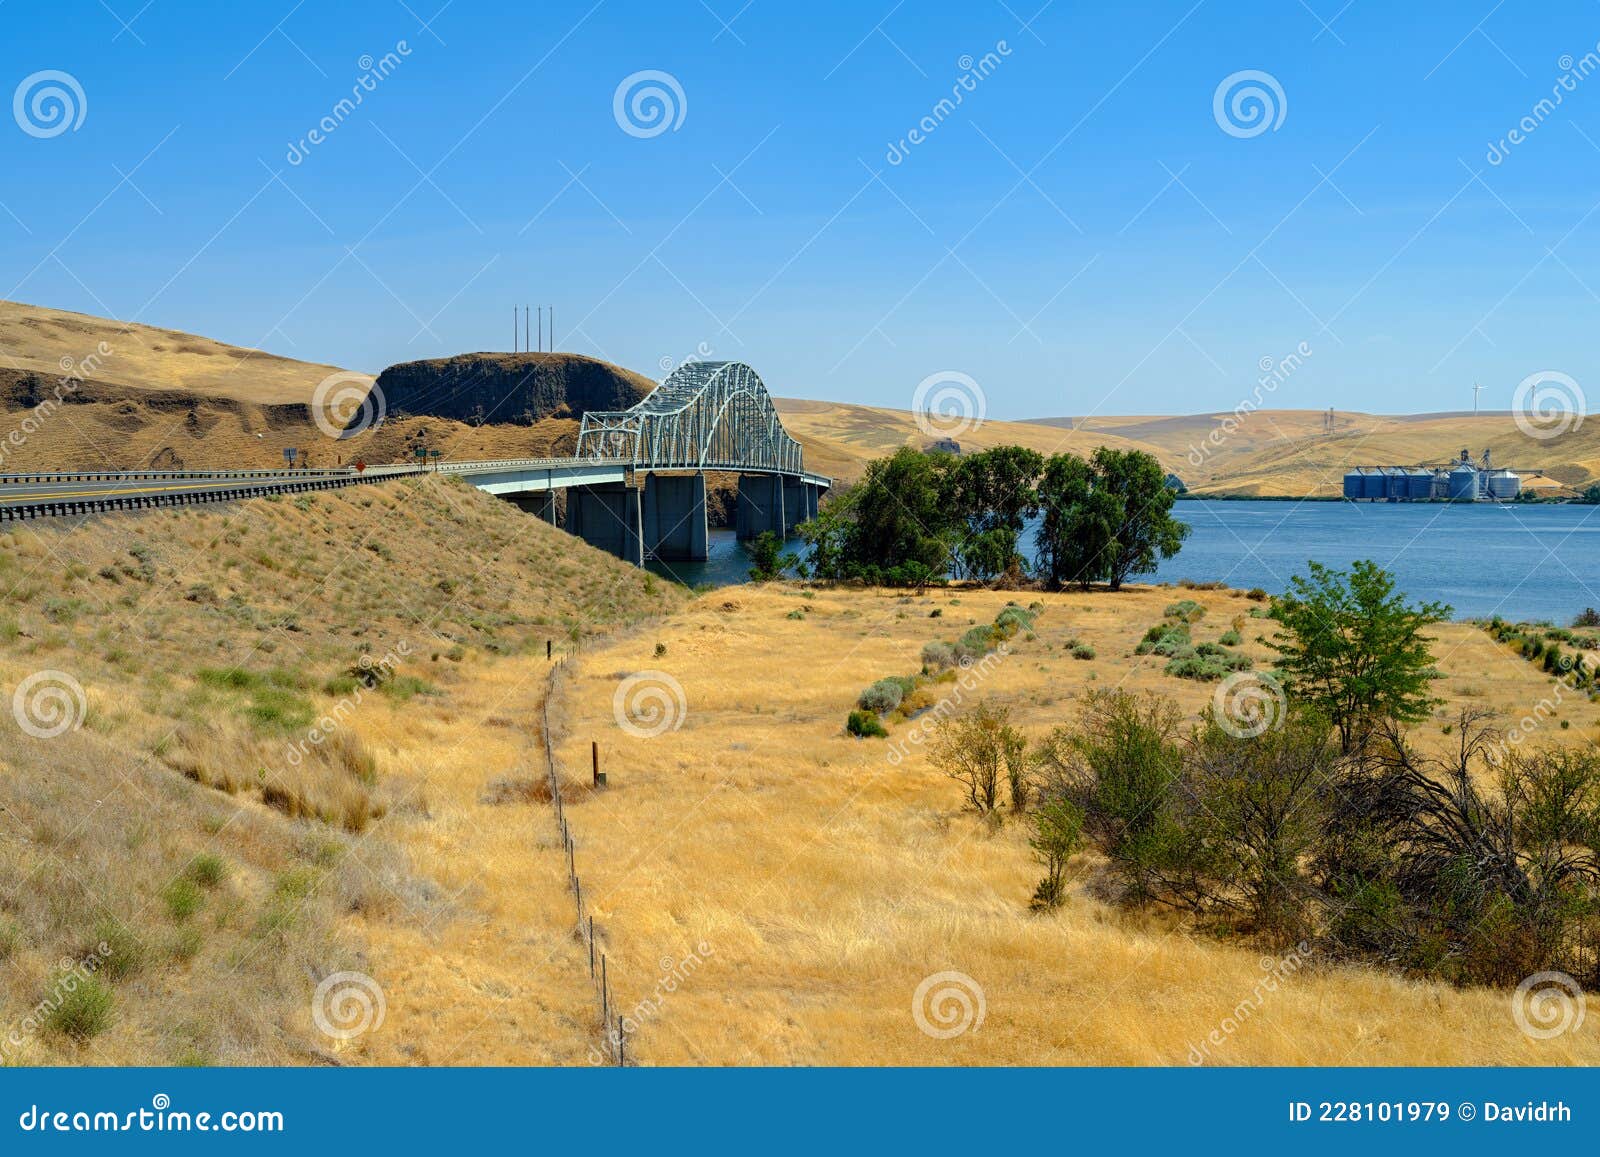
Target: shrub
1185 610
1057 836
1194 667
882 697
1588 617
10 938
864 724
207 870
1230 639
1082 651
979 747
182 898
84 1010
938 656
1014 619
1256 595
120 952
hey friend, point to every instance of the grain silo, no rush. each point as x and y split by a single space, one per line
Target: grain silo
1503 485
1463 483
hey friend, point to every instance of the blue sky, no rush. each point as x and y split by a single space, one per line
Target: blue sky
1079 235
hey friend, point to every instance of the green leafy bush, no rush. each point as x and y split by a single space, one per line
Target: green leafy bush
864 724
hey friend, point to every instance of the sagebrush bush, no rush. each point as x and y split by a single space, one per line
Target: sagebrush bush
882 697
938 656
119 951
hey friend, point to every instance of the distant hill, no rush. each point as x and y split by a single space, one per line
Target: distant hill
1276 453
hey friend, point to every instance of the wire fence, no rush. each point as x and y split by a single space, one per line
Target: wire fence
613 1041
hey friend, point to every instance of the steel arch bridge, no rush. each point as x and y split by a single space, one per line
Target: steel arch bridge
703 416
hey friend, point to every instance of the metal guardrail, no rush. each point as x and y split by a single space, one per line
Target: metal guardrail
245 484
269 483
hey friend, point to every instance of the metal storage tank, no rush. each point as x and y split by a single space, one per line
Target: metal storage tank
1464 483
1354 484
1504 485
1419 485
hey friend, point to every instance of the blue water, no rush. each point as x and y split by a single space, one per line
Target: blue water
1521 562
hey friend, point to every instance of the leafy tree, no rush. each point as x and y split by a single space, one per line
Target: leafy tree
1354 649
766 552
1076 523
1145 529
993 493
1106 519
977 749
1057 836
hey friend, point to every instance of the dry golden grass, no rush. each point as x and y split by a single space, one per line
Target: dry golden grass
208 644
828 882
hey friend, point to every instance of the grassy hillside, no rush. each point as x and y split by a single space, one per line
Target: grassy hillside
291 734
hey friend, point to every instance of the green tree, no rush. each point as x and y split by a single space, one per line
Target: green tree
766 552
993 493
1354 649
1057 837
1145 530
1075 525
899 517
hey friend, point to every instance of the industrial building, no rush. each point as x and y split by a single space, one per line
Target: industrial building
1462 481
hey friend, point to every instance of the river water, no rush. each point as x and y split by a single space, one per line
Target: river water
1521 562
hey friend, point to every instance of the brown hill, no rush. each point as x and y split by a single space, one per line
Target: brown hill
1278 453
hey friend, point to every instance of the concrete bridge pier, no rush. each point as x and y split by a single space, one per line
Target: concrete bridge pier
607 517
675 517
799 502
760 507
540 503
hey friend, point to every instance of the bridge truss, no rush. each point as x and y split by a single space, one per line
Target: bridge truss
703 416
